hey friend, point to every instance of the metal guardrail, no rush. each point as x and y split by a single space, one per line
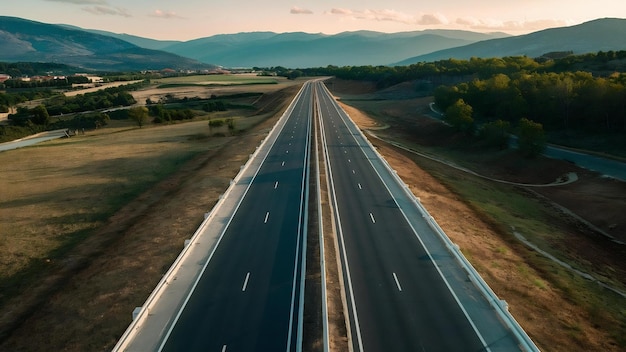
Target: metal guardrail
500 306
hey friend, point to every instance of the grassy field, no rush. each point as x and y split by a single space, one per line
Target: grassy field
56 192
215 80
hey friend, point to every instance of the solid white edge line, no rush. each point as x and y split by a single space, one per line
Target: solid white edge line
331 184
469 319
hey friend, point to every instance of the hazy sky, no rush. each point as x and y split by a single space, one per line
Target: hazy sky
190 19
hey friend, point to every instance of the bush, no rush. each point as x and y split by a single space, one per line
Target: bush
216 123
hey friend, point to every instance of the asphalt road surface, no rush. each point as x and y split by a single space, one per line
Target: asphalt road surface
397 299
249 295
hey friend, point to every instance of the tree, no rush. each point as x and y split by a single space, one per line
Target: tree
459 115
496 133
139 115
39 115
531 138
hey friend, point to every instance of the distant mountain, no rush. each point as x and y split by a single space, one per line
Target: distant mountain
133 39
597 35
301 50
24 40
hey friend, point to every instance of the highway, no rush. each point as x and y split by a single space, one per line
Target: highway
397 298
239 283
248 297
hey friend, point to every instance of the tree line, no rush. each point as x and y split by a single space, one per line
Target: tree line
560 91
559 101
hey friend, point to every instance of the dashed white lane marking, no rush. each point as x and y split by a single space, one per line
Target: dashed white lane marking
276 185
372 217
267 215
397 282
245 282
359 186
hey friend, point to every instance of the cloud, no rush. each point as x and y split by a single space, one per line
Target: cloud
432 20
389 15
107 10
338 11
300 11
513 26
83 2
165 14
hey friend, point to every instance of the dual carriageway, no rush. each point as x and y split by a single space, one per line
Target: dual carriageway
239 284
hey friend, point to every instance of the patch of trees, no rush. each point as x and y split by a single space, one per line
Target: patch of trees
18 69
558 101
90 120
11 132
162 114
25 117
214 105
282 72
9 100
103 99
444 71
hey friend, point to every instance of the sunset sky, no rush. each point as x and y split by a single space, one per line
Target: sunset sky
190 19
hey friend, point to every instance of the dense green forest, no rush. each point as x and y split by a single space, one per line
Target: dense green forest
19 69
574 92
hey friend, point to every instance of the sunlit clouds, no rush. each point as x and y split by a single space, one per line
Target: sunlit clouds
107 10
165 14
82 2
199 18
300 11
510 26
439 20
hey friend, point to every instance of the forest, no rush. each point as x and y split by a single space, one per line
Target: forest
561 92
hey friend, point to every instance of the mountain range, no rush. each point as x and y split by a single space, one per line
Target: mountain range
593 36
25 40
